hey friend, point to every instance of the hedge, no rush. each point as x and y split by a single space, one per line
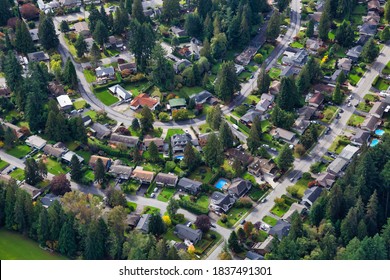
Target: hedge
243 127
193 207
108 150
233 119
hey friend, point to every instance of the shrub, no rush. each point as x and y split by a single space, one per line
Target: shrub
164 117
306 176
258 58
193 207
244 202
180 115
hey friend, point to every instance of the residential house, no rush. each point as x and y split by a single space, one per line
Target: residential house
239 187
131 66
370 123
265 102
373 5
169 180
362 40
176 103
288 136
38 57
4 91
313 45
220 202
105 73
56 88
201 97
239 69
307 112
143 223
187 233
301 124
262 166
264 247
372 18
106 161
158 141
296 58
5 178
86 120
311 195
280 230
316 100
49 199
180 65
245 158
89 42
191 186
360 138
337 166
185 51
178 31
128 141
326 180
203 138
250 116
142 176
289 70
368 29
64 102
349 152
67 157
119 91
179 142
335 75
294 208
345 64
82 28
274 87
100 131
378 109
252 256
121 171
36 142
52 150
70 3
132 220
143 100
32 191
354 53
16 129
111 42
34 34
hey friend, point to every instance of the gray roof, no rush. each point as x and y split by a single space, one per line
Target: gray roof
52 151
307 111
143 223
49 199
184 232
239 187
361 137
122 171
129 141
289 70
37 56
120 91
312 194
250 116
104 71
284 134
201 97
166 179
250 255
68 156
326 180
280 230
370 123
348 152
367 29
355 51
191 185
224 201
101 130
337 165
378 109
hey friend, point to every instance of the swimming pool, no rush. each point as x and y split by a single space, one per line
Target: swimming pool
220 184
179 157
374 142
379 132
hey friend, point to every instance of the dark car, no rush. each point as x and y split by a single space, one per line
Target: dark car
242 222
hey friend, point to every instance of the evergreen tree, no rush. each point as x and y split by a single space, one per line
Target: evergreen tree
156 225
9 206
226 136
75 173
370 51
146 120
233 32
227 81
135 124
285 158
154 155
281 118
214 117
64 26
345 34
163 73
387 11
372 215
77 130
56 220
172 207
233 243
263 81
95 54
171 9
34 109
42 169
137 12
69 75
193 25
129 6
190 158
96 240
273 29
100 34
67 243
337 97
99 171
254 138
218 45
310 29
5 12
206 50
213 152
43 230
81 46
31 172
288 97
9 138
47 33
324 26
23 40
121 21
94 17
245 28
237 167
385 34
204 7
282 5
12 71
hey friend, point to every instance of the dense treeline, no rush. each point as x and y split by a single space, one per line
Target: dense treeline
352 220
77 227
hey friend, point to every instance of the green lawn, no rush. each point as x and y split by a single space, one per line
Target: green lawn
270 220
329 113
233 215
299 188
166 194
92 114
339 144
203 201
89 175
89 75
264 125
355 75
256 193
14 246
355 120
266 50
252 99
382 84
150 210
54 167
297 45
169 235
371 97
204 128
279 210
173 131
331 35
135 88
365 107
3 164
79 104
86 155
106 97
17 174
274 73
19 151
188 91
386 70
202 174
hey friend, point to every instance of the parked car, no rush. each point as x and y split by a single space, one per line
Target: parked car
152 195
189 224
155 190
242 222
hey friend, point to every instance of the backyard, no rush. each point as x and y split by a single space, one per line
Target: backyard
14 246
19 151
202 174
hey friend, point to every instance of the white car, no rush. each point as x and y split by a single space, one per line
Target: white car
349 104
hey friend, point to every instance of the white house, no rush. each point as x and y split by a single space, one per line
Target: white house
64 102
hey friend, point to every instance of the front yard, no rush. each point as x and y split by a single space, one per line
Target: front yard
233 216
382 84
89 75
166 194
282 207
270 220
355 120
298 190
329 112
55 167
19 151
105 96
339 144
3 164
17 174
171 132
364 106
